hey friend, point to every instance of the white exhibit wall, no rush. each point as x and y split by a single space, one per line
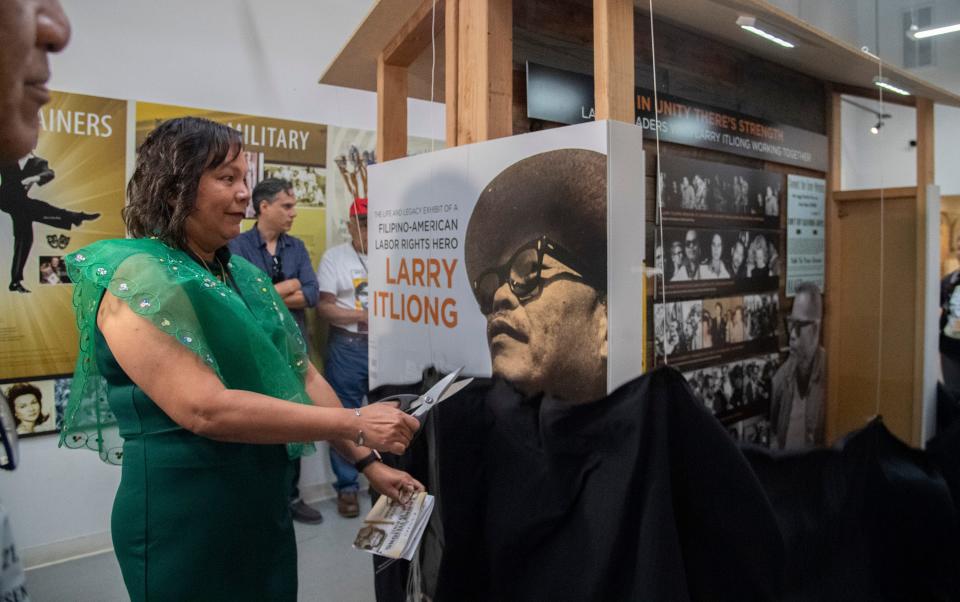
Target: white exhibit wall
246 56
877 160
946 133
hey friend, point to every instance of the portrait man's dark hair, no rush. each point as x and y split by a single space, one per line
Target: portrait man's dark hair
163 189
536 257
268 189
560 194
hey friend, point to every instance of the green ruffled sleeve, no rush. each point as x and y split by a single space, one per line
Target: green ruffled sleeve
248 339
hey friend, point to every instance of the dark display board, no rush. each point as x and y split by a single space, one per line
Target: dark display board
567 97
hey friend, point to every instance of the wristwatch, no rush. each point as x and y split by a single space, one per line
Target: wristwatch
367 460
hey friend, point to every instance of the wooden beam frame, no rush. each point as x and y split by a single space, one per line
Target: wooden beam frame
613 61
451 44
484 105
392 65
416 34
831 340
391 111
925 177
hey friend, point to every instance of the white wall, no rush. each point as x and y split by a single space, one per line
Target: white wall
946 158
875 160
247 56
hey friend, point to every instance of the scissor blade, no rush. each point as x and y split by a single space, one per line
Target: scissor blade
455 388
430 398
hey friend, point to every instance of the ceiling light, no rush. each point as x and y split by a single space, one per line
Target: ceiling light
754 26
935 31
876 128
882 82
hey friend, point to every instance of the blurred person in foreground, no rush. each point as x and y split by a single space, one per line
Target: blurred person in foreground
29 31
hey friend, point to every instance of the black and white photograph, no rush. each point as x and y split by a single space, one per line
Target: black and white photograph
763 315
758 378
678 328
724 321
720 387
309 181
741 260
53 270
755 431
729 193
61 396
253 177
32 404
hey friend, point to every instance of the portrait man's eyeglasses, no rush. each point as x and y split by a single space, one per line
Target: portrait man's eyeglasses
523 273
793 324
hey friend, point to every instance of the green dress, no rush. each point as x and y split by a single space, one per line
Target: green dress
193 519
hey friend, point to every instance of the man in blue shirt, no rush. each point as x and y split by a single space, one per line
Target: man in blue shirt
285 259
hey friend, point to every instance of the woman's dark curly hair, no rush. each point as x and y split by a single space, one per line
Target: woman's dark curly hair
163 190
19 390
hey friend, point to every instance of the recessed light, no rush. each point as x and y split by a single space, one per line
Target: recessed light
765 31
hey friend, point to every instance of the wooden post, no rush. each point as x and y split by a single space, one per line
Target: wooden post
831 299
925 177
484 70
391 111
613 68
451 47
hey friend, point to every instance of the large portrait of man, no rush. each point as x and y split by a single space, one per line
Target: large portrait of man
796 408
536 258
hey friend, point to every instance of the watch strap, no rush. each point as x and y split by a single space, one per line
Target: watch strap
367 460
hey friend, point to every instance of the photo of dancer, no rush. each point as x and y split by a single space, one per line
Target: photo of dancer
691 185
16 181
53 270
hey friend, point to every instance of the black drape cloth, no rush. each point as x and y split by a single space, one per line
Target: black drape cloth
643 496
638 496
869 520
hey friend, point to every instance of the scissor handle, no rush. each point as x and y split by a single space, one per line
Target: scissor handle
404 399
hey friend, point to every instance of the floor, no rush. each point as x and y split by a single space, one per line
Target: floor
329 569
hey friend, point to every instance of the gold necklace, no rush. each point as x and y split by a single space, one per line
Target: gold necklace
206 266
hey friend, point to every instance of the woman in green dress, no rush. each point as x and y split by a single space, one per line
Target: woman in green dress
193 375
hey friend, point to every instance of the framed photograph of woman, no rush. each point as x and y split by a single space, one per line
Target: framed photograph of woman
33 406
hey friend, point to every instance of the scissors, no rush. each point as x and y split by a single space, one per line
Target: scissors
418 405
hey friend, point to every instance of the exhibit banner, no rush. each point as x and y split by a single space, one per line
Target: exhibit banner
566 97
806 220
520 257
293 150
64 195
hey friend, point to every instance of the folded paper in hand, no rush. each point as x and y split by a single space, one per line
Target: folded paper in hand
394 530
